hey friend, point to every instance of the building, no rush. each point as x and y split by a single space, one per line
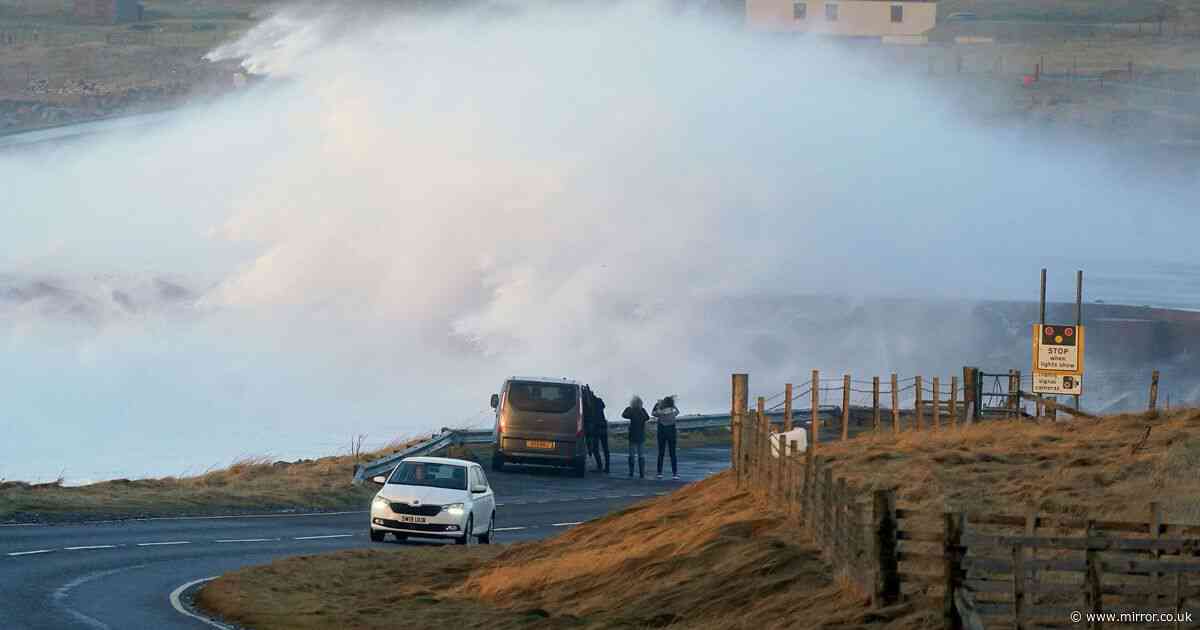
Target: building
108 11
851 18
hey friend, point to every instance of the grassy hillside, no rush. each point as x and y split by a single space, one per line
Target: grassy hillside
250 485
1100 468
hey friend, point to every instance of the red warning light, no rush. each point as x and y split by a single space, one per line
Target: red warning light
1069 331
1049 332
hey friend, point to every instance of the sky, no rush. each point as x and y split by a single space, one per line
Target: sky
412 208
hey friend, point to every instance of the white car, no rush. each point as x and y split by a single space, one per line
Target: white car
434 497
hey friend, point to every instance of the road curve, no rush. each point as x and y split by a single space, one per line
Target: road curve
118 575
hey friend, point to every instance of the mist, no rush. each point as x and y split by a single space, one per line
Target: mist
413 207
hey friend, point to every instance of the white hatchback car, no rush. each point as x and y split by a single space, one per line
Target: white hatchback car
434 497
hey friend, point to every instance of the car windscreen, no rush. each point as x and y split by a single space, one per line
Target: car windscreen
429 474
542 397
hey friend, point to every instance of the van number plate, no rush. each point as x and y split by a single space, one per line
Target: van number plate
404 518
539 444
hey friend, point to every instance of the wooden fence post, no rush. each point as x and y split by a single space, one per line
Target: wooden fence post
954 401
1018 593
842 546
952 530
781 441
1017 395
1153 407
827 506
895 404
787 407
737 418
1095 599
887 566
1156 521
810 478
764 446
918 410
937 403
845 407
1012 394
875 404
1031 523
815 420
793 477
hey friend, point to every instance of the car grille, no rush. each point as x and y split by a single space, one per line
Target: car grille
416 527
416 510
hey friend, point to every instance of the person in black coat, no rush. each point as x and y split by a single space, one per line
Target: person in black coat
597 428
637 416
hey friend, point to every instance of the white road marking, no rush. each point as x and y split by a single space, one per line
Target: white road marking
566 524
90 547
60 596
240 540
169 542
321 537
588 498
637 495
508 529
499 505
179 607
29 553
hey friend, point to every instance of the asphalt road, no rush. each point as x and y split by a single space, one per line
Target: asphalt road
117 575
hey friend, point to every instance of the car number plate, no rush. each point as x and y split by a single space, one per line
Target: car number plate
412 519
539 444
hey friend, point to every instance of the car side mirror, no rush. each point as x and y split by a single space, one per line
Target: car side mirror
495 401
379 479
478 488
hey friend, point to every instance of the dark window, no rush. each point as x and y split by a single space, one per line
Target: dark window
799 10
897 13
542 397
831 12
430 475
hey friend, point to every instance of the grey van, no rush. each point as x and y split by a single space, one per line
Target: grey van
539 421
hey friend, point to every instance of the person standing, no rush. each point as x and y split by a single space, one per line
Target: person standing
637 416
665 413
598 427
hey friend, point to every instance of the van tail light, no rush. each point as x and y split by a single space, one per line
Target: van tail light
579 421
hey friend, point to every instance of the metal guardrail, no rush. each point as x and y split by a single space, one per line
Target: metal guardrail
449 437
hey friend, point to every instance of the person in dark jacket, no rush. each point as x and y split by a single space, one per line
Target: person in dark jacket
665 413
597 427
637 416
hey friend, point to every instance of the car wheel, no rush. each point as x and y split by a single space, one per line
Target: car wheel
498 461
486 538
377 536
467 538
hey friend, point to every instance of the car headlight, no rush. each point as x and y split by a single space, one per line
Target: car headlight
381 502
455 509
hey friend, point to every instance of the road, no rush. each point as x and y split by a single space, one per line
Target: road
117 575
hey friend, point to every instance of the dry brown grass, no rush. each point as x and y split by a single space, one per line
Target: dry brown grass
252 483
705 557
1078 467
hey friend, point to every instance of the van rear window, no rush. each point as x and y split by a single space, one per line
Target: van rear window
542 397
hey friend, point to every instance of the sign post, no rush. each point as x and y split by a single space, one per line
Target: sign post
1058 350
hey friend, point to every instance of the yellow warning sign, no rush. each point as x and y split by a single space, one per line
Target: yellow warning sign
1058 359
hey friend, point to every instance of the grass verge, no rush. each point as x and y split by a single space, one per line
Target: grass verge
705 557
255 484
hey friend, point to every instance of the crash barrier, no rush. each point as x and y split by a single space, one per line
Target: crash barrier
459 437
988 570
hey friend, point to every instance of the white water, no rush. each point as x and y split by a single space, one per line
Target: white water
413 209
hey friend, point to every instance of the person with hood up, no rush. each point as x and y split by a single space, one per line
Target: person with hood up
637 416
665 413
597 427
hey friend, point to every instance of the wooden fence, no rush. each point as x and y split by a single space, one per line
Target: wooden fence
987 570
